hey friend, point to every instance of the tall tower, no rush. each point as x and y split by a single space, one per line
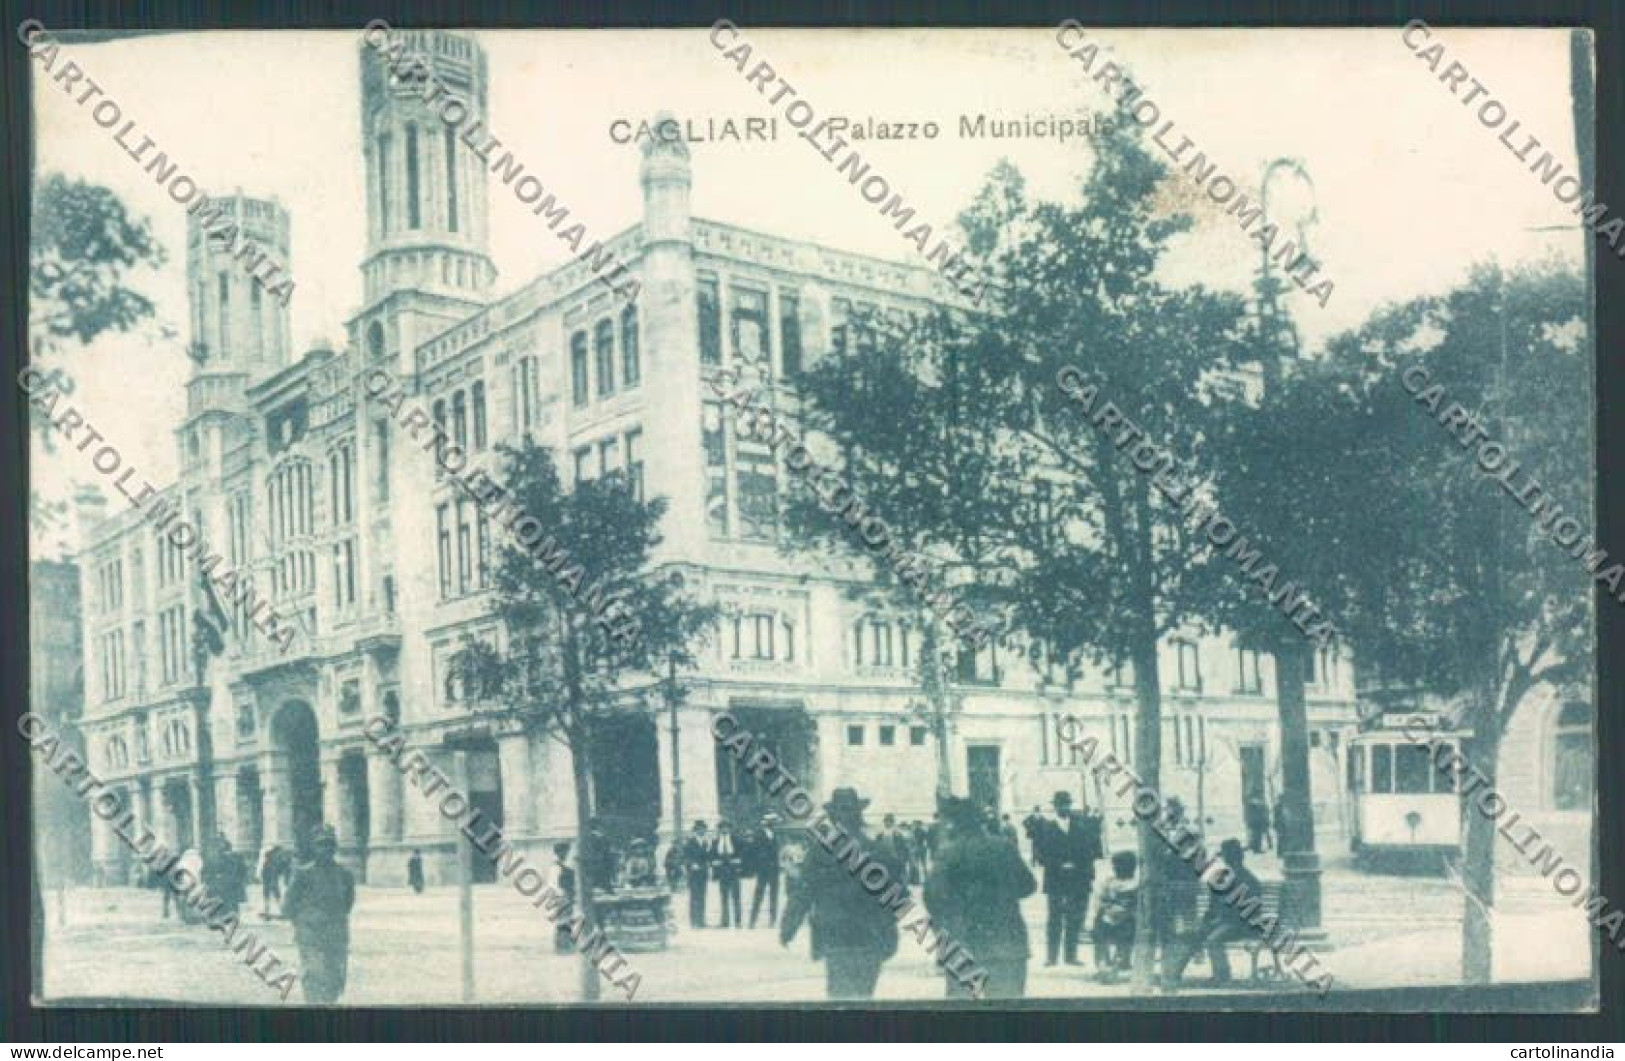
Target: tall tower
666 309
238 326
427 221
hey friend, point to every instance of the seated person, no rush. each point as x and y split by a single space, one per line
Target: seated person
1114 922
638 871
1223 921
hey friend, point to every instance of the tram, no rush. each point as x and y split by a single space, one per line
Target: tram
1404 803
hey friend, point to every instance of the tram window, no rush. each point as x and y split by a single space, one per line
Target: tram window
1356 763
1382 768
1411 769
1443 779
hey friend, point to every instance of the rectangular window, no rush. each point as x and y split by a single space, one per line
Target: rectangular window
482 532
459 420
609 456
525 393
451 181
583 464
710 310
634 461
747 322
225 315
763 629
443 549
1190 671
578 368
477 396
1382 769
1248 677
916 736
414 216
840 316
790 331
465 548
384 181
713 440
854 736
631 369
380 450
888 736
603 343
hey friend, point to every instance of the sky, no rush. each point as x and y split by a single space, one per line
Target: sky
1410 190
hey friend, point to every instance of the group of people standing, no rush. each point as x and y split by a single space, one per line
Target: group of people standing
976 879
728 858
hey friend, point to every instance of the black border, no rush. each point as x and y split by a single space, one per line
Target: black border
1173 1019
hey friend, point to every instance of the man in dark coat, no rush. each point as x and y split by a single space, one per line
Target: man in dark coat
225 876
318 903
1068 849
1256 816
974 896
414 871
853 931
763 863
728 865
1222 922
697 871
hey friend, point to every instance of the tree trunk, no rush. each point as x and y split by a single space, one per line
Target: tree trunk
1300 893
934 686
1148 764
586 854
1478 860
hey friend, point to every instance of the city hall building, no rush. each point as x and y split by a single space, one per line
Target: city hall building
300 477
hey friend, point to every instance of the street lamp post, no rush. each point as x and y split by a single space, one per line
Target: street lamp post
1300 865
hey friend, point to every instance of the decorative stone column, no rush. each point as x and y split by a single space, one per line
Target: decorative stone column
333 801
276 803
518 806
225 807
384 799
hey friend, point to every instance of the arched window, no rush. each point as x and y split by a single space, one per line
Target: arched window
477 393
459 419
1572 758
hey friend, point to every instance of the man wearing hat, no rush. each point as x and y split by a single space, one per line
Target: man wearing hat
762 855
318 903
1222 922
727 864
1067 849
853 932
697 871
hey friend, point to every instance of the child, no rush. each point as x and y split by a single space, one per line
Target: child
1114 924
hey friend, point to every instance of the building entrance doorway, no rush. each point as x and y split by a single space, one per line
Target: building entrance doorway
294 737
785 732
982 771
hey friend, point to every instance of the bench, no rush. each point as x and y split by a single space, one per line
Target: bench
1254 945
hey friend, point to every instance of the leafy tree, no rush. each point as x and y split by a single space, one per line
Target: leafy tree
900 401
83 252
1458 589
1042 507
568 656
